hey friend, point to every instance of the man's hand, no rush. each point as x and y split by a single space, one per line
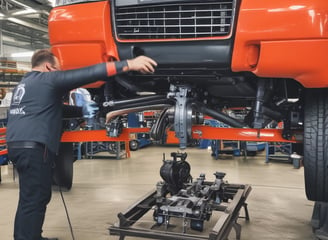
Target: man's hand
142 64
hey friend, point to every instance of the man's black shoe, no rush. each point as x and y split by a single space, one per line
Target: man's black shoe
43 238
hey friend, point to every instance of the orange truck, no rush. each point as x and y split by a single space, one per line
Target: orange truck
268 57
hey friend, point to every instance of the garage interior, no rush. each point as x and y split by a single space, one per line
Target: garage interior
102 188
108 181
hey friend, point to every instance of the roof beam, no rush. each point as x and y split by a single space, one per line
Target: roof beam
24 38
27 24
30 4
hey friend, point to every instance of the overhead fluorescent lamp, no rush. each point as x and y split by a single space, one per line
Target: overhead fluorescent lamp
22 54
52 2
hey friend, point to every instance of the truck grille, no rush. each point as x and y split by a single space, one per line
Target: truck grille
175 21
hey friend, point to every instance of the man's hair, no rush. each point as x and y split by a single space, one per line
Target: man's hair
41 56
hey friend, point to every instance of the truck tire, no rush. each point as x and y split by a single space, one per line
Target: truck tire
316 144
63 171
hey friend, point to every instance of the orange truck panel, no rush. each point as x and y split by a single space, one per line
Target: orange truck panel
283 38
88 35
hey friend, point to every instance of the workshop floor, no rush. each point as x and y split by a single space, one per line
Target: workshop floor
277 204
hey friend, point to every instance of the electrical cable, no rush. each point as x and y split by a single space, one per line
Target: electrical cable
67 215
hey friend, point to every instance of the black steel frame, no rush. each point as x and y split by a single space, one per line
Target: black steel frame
221 230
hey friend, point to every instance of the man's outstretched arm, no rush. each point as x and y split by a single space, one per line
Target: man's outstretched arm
67 80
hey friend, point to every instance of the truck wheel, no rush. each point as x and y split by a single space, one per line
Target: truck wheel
134 145
315 144
63 171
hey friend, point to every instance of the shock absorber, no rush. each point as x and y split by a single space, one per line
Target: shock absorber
258 110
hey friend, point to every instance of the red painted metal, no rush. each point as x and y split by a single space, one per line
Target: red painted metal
171 138
3 152
240 134
199 132
3 141
99 135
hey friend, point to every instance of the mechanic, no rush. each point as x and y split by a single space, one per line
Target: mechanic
35 126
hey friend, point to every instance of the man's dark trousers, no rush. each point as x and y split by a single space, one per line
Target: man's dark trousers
34 166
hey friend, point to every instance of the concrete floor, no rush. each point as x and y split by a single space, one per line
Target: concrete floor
277 204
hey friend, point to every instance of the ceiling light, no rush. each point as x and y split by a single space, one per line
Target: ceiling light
52 2
22 54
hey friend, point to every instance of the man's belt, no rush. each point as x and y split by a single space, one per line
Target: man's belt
25 144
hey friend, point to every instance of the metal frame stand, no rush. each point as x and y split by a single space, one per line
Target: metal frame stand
221 230
119 153
285 149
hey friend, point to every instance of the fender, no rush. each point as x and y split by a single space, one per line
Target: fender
283 39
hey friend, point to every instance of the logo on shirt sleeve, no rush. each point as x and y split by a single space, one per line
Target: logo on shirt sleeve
18 95
17 111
